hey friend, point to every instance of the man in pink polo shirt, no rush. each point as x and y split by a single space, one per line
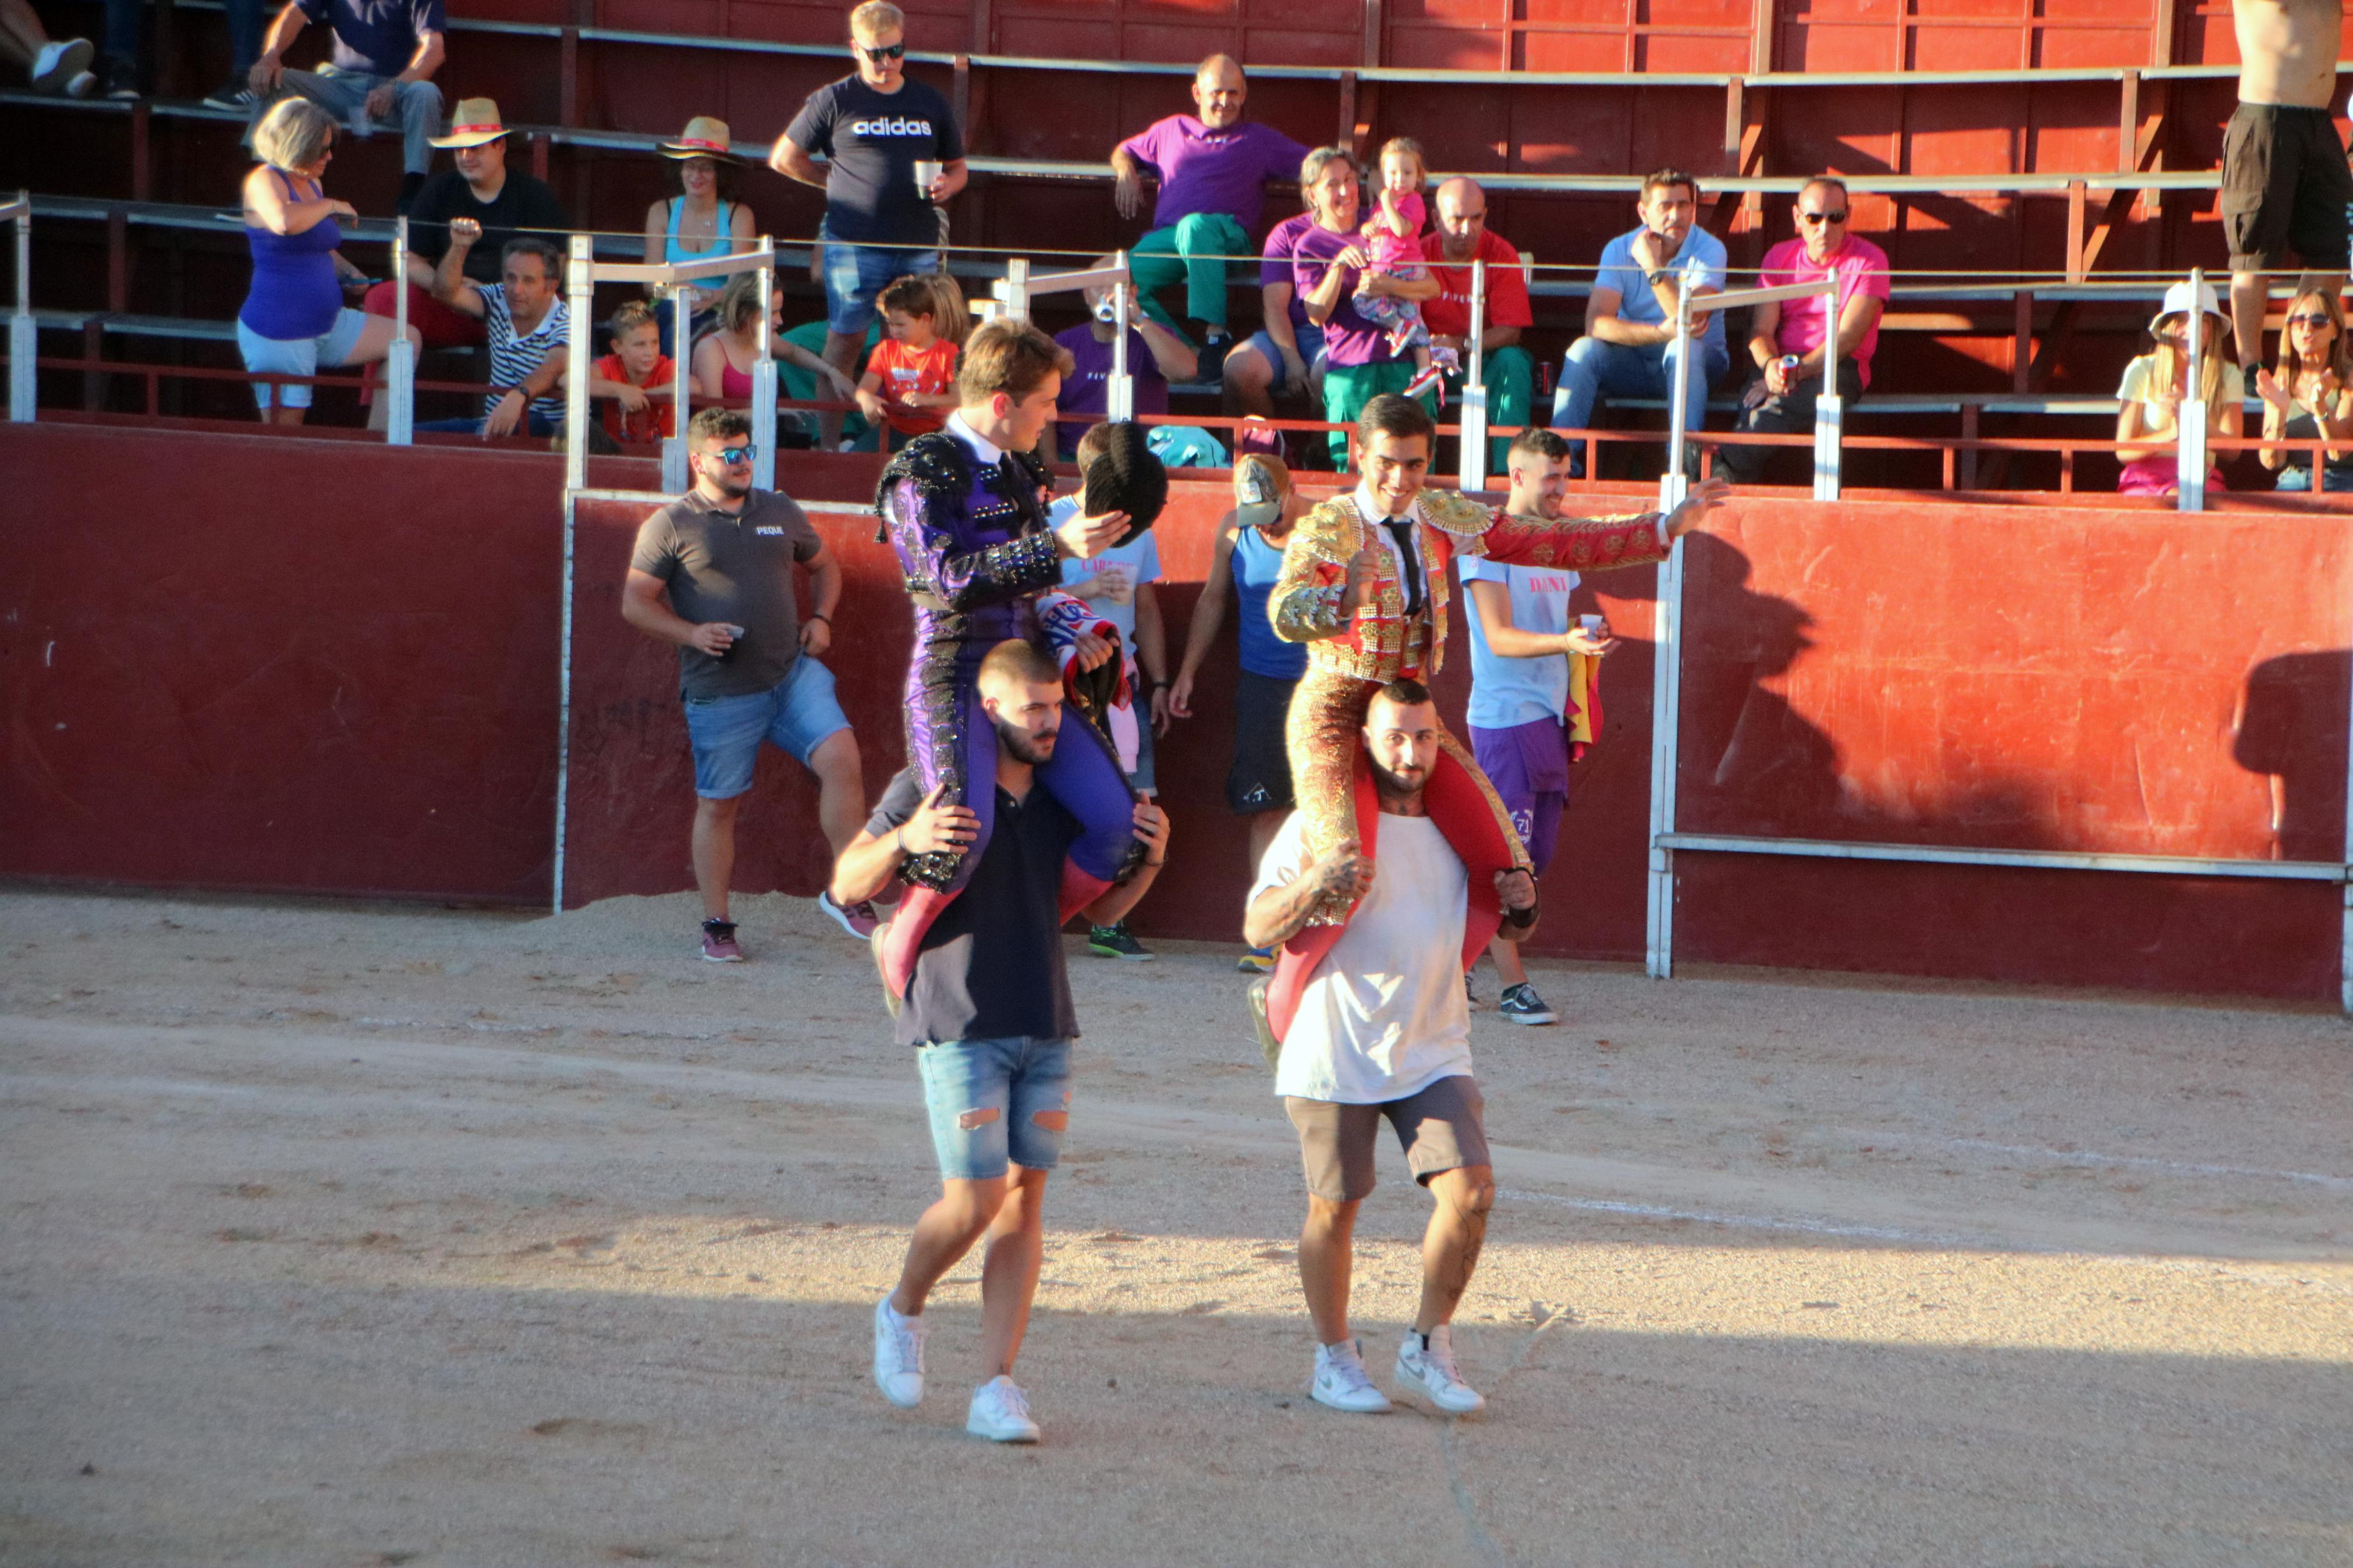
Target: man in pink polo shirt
1788 339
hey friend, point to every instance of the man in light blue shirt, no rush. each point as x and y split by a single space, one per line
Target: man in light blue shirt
1628 348
1521 631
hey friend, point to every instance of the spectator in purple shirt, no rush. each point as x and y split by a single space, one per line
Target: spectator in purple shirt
1155 356
1326 265
1213 170
1286 353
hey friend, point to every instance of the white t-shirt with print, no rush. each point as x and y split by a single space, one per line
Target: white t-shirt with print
1382 1016
1139 556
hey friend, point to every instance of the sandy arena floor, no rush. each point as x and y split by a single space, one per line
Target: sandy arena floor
341 1235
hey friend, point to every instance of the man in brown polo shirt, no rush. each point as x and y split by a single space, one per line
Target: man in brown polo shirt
713 573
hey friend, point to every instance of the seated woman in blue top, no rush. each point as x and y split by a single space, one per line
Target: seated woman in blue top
294 320
703 219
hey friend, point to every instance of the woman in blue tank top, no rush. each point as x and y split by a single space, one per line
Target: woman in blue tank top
1249 558
703 219
294 320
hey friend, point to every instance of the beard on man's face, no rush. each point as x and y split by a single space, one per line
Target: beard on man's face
1024 747
1399 785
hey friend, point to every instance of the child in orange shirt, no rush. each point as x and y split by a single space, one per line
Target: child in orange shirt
638 378
909 381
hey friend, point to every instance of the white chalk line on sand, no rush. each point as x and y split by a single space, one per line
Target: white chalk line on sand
1747 1221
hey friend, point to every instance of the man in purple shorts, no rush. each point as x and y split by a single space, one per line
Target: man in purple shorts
1521 629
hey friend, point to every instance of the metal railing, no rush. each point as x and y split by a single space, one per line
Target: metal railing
23 341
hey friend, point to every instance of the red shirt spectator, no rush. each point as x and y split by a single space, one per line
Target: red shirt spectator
1449 315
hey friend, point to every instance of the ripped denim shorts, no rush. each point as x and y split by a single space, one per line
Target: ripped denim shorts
994 1101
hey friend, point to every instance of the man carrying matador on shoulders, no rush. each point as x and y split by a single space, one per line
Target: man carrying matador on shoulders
1364 586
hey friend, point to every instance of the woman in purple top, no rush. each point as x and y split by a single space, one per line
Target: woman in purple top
1330 264
294 320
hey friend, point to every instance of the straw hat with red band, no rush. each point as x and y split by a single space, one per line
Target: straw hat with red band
474 122
703 137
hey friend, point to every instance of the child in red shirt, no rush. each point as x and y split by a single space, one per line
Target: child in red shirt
909 381
637 377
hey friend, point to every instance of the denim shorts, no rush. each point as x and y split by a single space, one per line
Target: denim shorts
854 274
298 356
984 1098
1306 334
795 713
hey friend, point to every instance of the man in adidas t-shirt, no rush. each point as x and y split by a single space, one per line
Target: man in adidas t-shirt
872 127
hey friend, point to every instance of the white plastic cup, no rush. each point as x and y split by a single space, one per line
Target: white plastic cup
1590 624
926 171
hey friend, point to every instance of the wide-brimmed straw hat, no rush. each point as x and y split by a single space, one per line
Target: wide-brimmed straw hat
2178 302
704 137
474 121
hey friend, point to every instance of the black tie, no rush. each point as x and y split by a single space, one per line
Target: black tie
1409 563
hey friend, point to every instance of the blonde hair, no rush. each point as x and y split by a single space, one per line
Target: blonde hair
1011 357
2215 361
877 17
629 316
738 300
953 317
1406 146
294 134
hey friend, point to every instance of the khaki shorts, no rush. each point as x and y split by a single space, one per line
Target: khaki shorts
1440 1129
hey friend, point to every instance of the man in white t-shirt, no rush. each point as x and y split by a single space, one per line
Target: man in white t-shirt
1380 1029
1117 586
1521 635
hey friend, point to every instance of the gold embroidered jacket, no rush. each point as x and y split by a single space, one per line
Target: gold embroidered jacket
1380 643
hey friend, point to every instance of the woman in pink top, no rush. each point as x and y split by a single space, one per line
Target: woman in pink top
1395 234
722 366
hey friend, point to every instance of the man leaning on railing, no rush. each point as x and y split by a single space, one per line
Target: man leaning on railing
1789 341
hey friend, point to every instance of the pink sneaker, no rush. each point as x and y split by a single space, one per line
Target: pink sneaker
719 942
859 919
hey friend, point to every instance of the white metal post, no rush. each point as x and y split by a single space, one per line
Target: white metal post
1012 291
1119 399
673 446
1473 413
1829 408
400 364
563 690
763 381
580 294
2190 421
1666 702
1678 419
23 337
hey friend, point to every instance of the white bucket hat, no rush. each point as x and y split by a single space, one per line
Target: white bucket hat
2178 302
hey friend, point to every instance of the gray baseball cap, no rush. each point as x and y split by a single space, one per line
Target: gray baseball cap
1258 492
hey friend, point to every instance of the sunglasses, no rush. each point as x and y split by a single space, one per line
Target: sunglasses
887 52
2318 319
1838 216
732 456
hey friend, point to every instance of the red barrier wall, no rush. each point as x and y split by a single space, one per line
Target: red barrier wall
209 685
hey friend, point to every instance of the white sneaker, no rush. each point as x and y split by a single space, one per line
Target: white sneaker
1430 1369
1340 1381
898 1356
1000 1413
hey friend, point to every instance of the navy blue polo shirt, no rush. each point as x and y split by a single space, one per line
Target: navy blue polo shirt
991 967
378 36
